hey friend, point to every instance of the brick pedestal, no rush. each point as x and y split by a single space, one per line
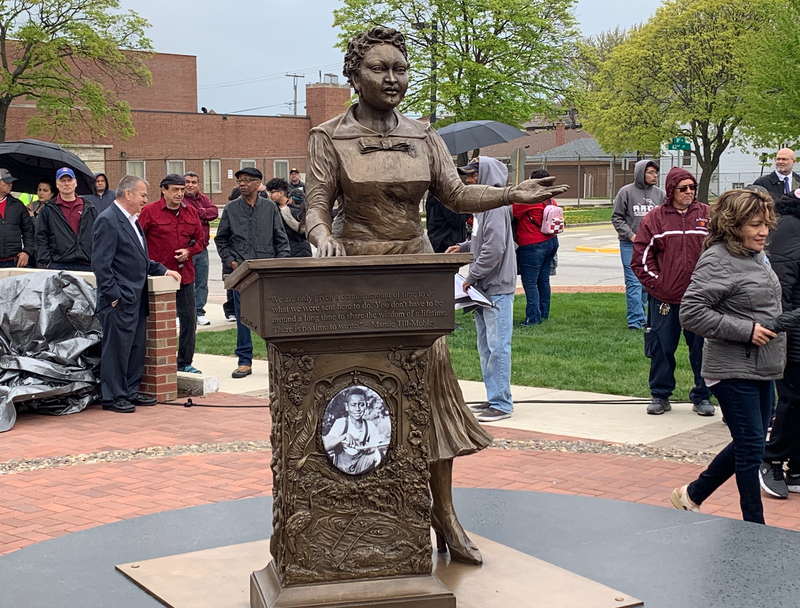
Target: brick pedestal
161 358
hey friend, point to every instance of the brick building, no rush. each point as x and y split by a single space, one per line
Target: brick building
173 137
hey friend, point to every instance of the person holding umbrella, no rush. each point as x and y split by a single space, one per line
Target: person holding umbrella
16 227
64 228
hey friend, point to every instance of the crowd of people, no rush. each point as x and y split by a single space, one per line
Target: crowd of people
708 273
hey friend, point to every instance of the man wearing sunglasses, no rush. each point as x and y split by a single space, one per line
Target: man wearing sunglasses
667 246
250 229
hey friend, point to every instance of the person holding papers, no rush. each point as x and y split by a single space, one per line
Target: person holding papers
494 272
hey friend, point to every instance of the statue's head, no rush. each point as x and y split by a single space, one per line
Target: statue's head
376 64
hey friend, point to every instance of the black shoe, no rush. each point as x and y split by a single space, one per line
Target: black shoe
480 408
122 406
143 400
658 405
771 479
704 408
493 415
242 371
792 482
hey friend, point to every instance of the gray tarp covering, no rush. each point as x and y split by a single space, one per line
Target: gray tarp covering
49 345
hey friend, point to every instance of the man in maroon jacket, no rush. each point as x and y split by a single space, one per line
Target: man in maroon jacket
174 236
207 212
665 251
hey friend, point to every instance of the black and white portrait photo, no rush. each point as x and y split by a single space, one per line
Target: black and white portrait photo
356 429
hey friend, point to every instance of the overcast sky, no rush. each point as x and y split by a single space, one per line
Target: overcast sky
260 42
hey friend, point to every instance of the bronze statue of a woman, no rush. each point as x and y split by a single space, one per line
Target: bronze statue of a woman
378 164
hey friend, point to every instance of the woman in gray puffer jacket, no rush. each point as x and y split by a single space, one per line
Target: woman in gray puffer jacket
733 299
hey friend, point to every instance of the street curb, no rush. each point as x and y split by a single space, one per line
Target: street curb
585 249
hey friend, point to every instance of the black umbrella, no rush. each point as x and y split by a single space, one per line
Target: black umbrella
471 134
30 160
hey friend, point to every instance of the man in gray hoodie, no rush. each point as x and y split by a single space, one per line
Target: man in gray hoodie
494 270
633 202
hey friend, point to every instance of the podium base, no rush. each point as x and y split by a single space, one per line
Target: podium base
401 592
217 578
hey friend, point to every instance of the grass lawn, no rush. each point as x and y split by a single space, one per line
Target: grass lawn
585 345
587 215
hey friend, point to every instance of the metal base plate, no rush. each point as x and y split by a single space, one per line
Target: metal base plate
220 578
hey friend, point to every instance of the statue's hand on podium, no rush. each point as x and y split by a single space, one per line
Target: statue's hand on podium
328 246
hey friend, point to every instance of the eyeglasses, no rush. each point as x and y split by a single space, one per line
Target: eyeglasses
246 181
651 172
692 187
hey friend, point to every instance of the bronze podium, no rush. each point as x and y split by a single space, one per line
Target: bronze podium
348 347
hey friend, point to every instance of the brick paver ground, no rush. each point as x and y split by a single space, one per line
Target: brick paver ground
39 504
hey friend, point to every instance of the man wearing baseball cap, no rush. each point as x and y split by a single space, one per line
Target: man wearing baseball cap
250 229
64 228
294 182
16 229
174 236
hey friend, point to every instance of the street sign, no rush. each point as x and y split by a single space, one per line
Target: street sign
684 146
679 140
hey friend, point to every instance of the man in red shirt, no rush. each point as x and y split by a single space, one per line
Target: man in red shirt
174 235
207 212
64 228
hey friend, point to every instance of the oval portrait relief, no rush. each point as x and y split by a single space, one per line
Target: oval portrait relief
356 429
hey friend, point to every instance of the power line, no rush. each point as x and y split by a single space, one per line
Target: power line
285 103
268 77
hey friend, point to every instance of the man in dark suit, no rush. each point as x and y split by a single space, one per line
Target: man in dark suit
121 264
783 180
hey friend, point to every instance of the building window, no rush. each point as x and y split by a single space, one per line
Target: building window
686 158
211 176
282 169
247 163
135 167
176 166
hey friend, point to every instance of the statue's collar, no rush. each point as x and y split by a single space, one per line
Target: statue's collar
350 128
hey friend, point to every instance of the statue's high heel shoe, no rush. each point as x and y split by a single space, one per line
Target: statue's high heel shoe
450 536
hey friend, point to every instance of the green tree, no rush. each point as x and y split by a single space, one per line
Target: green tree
681 74
772 97
503 60
69 56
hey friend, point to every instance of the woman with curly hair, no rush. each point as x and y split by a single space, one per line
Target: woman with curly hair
378 164
734 302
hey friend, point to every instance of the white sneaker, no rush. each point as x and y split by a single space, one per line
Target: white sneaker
201 320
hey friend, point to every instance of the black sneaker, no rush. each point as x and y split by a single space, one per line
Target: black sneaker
704 408
658 405
772 481
480 408
792 482
493 415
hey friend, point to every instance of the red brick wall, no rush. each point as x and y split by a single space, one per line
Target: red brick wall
174 87
325 101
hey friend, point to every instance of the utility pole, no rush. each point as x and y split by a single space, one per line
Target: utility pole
295 77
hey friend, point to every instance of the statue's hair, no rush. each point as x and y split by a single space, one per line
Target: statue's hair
364 41
732 211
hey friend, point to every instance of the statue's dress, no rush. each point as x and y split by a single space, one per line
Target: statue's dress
379 181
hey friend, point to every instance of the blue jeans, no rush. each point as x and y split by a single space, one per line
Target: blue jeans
201 282
534 268
244 342
494 327
635 295
660 343
747 406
